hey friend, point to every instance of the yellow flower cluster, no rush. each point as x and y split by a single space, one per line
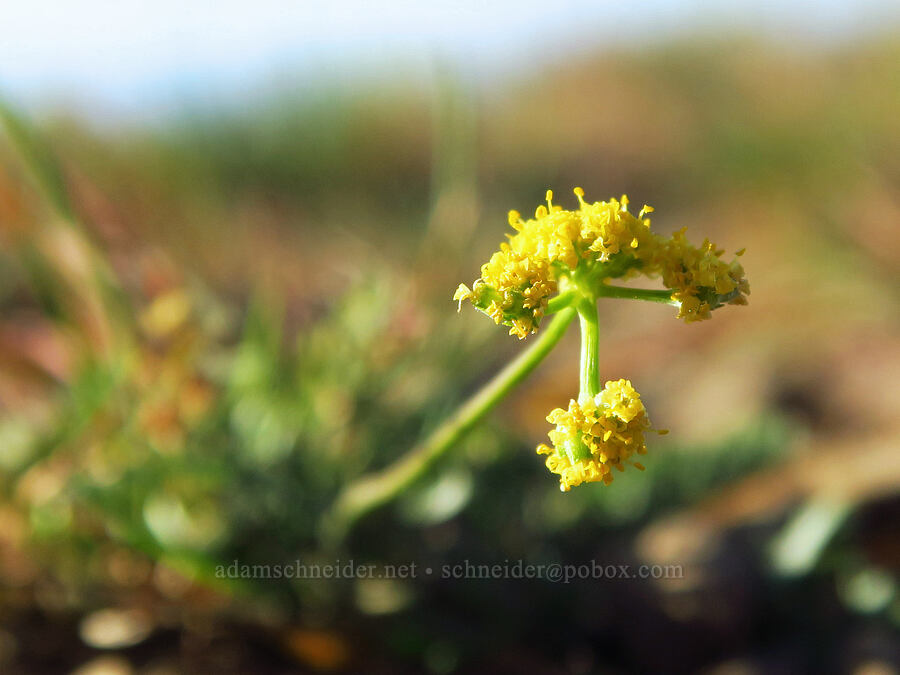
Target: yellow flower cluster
519 279
700 280
596 435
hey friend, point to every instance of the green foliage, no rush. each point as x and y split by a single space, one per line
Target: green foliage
229 439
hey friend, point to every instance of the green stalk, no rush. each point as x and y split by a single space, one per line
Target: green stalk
369 492
590 349
561 301
606 291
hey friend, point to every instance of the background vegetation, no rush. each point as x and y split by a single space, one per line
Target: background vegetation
211 324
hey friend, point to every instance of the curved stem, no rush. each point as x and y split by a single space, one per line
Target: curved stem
663 296
370 492
590 346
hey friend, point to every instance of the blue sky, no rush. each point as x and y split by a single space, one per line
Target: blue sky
128 54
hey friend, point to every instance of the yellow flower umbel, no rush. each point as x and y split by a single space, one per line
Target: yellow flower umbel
588 246
519 279
595 436
698 277
563 261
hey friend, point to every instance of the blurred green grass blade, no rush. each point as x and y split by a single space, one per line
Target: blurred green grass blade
44 282
798 547
39 158
47 175
91 389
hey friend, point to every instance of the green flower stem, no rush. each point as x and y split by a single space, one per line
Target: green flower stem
561 301
590 348
607 291
370 492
